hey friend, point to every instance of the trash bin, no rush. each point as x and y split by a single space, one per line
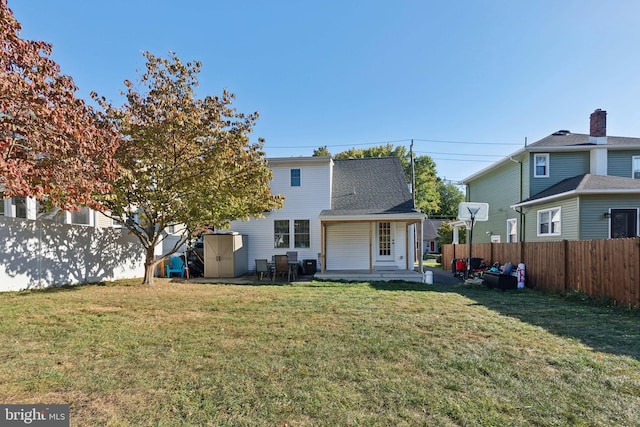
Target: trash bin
428 278
309 266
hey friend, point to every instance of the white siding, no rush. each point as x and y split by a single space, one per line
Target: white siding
348 246
102 220
36 254
303 202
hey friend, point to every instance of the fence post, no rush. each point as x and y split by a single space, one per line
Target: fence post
565 257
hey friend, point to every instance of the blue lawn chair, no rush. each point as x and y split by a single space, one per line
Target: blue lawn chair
175 265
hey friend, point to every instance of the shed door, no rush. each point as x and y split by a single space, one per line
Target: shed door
218 252
624 223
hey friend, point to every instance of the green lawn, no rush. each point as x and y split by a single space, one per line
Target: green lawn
320 354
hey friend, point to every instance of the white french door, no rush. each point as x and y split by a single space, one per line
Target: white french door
385 241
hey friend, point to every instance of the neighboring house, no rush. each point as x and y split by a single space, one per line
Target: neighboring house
349 216
430 235
28 208
58 248
563 187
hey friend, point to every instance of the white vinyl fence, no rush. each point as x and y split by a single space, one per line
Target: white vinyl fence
40 254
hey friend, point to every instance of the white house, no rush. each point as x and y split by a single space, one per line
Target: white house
354 217
39 250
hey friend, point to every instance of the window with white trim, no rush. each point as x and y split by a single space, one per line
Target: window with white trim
20 206
80 216
541 165
549 222
281 233
512 230
295 177
635 167
301 235
55 215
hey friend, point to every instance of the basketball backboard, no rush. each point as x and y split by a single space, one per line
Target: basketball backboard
479 211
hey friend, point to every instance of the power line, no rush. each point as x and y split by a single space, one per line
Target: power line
354 145
464 160
470 142
343 145
459 154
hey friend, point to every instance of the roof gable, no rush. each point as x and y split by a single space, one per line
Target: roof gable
568 139
559 142
369 186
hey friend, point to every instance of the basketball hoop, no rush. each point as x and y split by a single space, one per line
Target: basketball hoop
473 211
470 212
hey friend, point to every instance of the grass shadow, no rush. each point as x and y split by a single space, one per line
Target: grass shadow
603 327
398 285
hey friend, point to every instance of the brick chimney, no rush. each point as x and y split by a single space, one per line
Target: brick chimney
598 123
598 136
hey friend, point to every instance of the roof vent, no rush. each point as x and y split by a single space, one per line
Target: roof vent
562 132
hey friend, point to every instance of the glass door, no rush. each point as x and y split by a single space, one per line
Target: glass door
385 242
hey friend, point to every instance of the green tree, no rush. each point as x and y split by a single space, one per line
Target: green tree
321 152
427 196
445 234
450 198
386 150
185 162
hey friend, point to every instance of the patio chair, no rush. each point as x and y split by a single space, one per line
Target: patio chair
262 268
293 263
281 266
175 265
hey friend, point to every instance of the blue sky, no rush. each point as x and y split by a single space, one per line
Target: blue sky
467 80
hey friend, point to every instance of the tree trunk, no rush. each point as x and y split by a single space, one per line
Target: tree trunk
149 266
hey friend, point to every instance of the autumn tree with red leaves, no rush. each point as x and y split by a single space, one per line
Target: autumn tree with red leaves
52 145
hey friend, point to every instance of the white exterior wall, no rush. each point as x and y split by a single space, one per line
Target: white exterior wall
304 202
37 254
348 246
598 161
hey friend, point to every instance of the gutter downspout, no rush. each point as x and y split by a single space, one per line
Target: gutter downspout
520 213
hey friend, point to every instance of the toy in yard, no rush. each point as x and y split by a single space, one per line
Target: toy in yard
459 268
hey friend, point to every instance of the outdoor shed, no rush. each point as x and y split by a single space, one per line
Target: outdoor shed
225 255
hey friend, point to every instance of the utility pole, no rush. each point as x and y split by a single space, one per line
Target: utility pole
413 175
417 256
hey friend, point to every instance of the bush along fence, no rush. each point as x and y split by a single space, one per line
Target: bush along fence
598 268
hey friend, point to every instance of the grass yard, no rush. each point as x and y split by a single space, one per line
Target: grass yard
326 354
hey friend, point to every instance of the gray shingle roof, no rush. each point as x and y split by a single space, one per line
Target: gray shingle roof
430 228
369 186
578 139
587 183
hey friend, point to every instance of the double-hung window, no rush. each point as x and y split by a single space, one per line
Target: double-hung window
281 233
549 222
295 177
635 167
301 234
80 216
20 206
541 165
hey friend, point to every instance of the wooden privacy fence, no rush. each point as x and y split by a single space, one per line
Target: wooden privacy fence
599 268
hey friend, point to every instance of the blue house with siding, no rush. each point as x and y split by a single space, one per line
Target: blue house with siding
565 186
